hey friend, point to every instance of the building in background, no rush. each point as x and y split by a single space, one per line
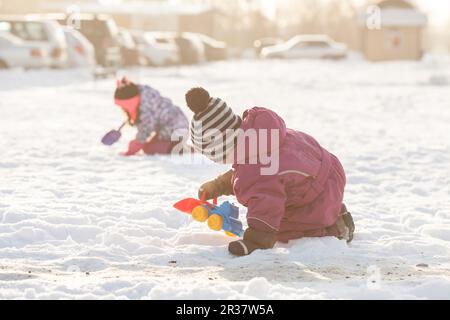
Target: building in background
392 30
154 15
144 15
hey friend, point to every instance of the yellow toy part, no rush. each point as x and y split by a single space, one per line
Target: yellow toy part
215 222
230 234
200 214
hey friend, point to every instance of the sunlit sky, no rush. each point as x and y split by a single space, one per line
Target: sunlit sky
438 10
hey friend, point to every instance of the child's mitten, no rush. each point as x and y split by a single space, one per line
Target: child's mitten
133 148
157 146
253 240
221 186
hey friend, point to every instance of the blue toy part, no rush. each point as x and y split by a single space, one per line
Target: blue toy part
224 217
230 215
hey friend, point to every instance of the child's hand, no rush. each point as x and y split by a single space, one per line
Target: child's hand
221 186
208 191
133 148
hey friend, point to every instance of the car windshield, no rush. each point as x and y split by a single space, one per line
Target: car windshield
317 44
297 44
127 39
26 30
293 42
5 27
7 39
58 32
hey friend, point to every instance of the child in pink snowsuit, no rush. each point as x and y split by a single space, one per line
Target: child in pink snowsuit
302 199
155 117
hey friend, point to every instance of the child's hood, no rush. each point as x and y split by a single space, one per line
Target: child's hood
147 90
267 124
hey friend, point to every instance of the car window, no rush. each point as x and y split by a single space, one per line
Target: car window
70 38
5 26
162 40
7 39
317 44
299 45
28 30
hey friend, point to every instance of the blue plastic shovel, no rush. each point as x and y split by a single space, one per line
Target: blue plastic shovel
113 136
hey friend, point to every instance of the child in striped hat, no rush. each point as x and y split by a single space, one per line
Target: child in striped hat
303 198
155 117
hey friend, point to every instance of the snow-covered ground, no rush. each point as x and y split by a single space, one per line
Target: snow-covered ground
79 221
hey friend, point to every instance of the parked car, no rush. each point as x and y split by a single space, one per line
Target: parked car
132 53
260 44
191 48
81 51
214 50
103 33
14 52
307 46
34 28
159 48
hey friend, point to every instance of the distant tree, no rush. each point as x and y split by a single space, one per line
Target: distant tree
335 18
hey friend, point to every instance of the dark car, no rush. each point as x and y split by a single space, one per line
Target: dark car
214 50
191 48
103 33
132 52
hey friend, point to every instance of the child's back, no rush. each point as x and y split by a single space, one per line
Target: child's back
159 114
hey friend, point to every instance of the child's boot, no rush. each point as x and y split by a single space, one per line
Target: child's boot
345 225
253 240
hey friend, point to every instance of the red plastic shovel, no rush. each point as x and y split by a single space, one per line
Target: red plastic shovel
189 204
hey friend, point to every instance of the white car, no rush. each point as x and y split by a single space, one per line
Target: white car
81 52
307 46
14 52
158 48
34 28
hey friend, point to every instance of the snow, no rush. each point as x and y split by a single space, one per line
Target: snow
78 221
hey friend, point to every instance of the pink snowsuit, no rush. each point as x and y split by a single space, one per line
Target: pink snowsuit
304 198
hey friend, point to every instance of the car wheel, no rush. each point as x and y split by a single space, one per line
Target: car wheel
334 57
3 65
150 62
276 56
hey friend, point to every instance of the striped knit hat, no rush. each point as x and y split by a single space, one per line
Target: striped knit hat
214 126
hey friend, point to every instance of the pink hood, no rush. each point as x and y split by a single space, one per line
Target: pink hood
130 106
267 125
